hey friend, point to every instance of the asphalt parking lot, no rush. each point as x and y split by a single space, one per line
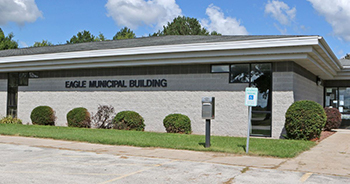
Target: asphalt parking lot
26 164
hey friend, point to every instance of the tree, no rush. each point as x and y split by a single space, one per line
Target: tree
124 33
81 37
6 42
183 26
215 33
100 37
42 44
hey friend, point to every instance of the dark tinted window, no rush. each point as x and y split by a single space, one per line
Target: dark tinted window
220 68
239 73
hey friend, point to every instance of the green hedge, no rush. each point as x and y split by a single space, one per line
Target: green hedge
305 120
128 120
177 123
43 115
79 117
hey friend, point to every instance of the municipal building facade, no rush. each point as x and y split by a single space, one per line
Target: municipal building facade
158 76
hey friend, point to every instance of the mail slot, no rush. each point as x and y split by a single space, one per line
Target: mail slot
208 107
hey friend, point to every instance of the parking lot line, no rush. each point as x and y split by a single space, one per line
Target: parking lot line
305 177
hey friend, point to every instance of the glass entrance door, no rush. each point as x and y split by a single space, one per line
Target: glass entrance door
339 97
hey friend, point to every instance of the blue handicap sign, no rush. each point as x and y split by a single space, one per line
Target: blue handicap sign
251 96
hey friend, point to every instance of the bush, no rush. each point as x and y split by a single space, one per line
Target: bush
177 123
128 120
333 118
43 115
305 120
10 120
79 117
103 116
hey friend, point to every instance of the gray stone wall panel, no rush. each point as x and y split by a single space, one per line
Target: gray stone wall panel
184 82
305 89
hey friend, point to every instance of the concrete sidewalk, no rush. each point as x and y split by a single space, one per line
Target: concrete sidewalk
331 156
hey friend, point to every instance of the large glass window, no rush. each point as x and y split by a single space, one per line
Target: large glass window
12 90
261 114
239 73
257 75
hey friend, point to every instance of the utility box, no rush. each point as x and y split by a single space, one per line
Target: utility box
208 107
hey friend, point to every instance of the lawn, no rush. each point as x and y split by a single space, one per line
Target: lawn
258 146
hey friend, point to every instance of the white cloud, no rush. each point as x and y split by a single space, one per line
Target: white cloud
18 11
23 44
280 11
281 30
337 14
220 24
134 13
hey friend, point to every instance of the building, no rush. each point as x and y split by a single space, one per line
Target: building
157 76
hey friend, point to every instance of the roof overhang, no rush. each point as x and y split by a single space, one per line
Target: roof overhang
311 52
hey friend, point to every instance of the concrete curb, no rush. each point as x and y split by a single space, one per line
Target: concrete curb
196 156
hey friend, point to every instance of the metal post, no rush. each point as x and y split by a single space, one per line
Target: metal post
207 133
249 123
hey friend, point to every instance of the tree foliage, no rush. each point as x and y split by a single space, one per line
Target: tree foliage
81 37
184 26
42 44
6 42
124 33
100 37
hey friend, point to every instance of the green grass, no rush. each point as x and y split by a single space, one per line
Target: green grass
258 146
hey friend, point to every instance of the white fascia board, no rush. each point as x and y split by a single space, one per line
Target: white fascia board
285 51
320 67
205 60
328 51
232 45
325 62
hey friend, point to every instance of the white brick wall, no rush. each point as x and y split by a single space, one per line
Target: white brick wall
3 97
231 114
281 102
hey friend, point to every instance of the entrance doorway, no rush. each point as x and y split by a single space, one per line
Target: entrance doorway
339 97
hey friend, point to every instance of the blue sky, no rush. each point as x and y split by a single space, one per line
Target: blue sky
57 21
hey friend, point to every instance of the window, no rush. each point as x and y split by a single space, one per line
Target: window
23 79
339 97
220 68
260 76
239 73
257 75
12 91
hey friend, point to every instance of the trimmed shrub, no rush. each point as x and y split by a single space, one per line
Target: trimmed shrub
305 120
43 115
10 120
333 118
79 117
128 120
177 123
